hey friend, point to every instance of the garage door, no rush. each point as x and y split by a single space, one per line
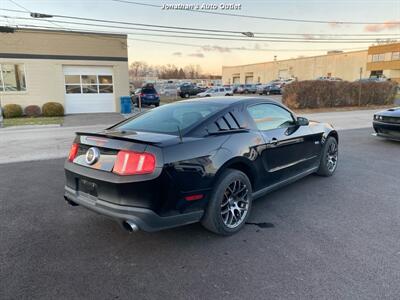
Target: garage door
88 89
248 79
283 74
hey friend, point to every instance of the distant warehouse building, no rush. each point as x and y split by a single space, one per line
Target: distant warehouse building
381 60
86 72
384 60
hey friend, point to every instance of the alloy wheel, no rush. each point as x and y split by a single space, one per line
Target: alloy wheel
235 204
332 157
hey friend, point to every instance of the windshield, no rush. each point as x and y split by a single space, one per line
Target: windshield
167 118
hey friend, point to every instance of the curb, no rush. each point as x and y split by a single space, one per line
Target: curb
57 127
22 127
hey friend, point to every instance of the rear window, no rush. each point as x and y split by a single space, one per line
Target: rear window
149 91
168 118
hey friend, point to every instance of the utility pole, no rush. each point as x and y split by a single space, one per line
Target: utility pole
359 87
1 98
1 112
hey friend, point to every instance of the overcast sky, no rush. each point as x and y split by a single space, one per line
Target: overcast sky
216 53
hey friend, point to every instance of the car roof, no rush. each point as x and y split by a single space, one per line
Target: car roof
233 100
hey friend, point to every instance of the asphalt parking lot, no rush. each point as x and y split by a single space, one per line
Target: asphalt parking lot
325 238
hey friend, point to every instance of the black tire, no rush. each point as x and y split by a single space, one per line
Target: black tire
157 104
213 217
186 95
327 157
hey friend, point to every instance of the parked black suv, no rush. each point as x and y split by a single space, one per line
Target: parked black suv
187 89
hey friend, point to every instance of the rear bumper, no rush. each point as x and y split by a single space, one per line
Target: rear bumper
149 101
144 218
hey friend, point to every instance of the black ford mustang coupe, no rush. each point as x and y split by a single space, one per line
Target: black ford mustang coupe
196 160
387 124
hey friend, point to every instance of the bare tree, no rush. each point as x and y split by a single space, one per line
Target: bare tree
190 71
138 69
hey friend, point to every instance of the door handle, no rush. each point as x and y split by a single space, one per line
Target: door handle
274 141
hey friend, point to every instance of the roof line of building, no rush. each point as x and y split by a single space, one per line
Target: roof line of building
304 57
65 31
61 57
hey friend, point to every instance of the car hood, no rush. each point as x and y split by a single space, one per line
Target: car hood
391 112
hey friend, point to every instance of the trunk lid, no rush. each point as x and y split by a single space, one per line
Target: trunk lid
108 143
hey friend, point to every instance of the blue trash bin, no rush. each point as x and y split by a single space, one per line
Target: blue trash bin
126 105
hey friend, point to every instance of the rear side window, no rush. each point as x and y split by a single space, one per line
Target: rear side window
229 121
270 116
168 118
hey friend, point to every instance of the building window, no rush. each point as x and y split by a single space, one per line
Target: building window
89 84
12 78
105 84
378 57
395 55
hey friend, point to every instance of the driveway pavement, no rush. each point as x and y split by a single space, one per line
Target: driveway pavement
81 120
328 238
345 119
92 119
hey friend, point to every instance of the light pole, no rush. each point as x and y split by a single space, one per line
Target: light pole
359 87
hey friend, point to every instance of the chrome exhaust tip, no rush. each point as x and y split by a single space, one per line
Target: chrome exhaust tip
130 226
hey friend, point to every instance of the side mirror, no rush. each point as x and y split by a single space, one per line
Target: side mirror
302 121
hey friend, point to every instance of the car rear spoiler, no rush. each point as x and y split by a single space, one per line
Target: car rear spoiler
116 137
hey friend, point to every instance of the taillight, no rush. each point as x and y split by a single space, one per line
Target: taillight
142 95
73 152
132 163
194 197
